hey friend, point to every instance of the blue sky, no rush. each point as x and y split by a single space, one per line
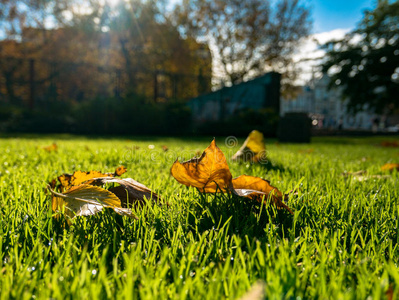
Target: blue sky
328 15
338 14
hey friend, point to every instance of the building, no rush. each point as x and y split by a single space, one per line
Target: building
260 93
327 108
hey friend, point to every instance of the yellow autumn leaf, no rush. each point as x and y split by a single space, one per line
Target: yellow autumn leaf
85 200
253 149
78 177
390 167
207 172
211 171
257 188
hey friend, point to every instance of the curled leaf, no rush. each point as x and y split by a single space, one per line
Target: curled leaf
253 149
211 171
83 194
207 172
257 188
78 177
86 200
129 190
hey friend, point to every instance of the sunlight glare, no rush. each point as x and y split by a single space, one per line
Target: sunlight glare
112 3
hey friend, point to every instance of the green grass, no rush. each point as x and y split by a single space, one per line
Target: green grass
342 241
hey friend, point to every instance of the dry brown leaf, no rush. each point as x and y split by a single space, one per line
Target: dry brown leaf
211 171
253 148
130 192
81 194
393 144
86 200
207 172
78 177
51 148
306 151
165 148
390 167
258 189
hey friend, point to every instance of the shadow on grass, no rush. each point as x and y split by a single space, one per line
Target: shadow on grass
248 217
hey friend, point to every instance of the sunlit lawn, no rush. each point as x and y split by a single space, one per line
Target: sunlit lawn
342 241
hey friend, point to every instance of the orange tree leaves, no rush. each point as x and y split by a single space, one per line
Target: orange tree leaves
207 172
210 172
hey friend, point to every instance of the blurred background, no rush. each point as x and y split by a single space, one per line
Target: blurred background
179 67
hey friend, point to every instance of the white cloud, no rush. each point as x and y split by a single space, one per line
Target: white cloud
309 54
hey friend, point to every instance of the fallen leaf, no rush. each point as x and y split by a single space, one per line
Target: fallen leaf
207 172
86 200
390 167
211 171
51 148
83 194
165 148
78 177
393 144
306 151
257 188
130 191
253 148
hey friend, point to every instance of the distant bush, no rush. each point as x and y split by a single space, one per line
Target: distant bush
131 115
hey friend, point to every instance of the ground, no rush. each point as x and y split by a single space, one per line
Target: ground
341 242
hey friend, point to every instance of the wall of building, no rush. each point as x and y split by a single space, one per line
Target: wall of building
262 92
327 108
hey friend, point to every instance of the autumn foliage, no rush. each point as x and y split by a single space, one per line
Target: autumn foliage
84 194
210 173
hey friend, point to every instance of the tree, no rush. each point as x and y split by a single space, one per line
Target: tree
94 49
247 38
366 62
